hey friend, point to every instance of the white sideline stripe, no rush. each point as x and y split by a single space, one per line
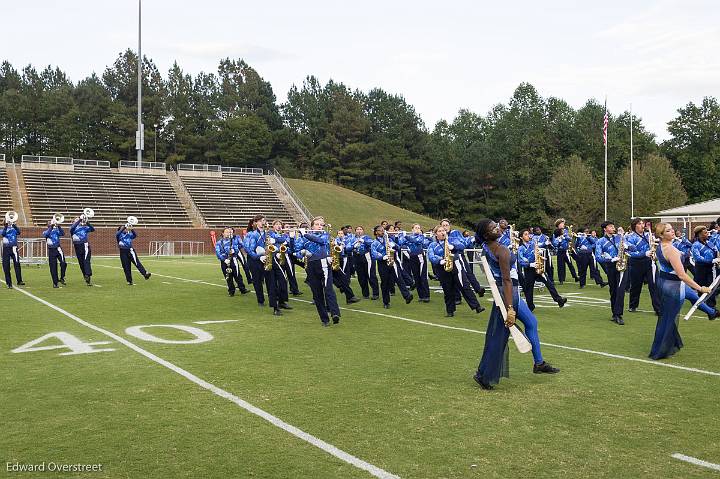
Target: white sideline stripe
696 461
319 443
217 322
444 326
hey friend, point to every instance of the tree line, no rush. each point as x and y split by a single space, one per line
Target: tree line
530 159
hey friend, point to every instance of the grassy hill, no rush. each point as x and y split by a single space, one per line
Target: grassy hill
341 206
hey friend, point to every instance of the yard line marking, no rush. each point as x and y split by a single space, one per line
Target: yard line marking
444 326
217 322
696 461
165 282
309 438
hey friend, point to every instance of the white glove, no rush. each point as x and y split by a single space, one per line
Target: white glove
716 261
648 253
227 261
584 248
260 250
442 261
451 247
385 257
271 240
472 239
615 259
263 258
391 244
533 265
307 253
302 231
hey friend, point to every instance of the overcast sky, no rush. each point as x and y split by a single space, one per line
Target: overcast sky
441 56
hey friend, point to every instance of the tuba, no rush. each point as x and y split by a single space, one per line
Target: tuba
539 260
270 250
11 217
448 257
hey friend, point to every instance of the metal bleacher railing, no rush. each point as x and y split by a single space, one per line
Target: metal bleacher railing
98 163
150 165
298 202
53 160
218 168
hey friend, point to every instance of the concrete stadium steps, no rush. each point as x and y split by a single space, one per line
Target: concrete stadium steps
6 203
234 198
114 196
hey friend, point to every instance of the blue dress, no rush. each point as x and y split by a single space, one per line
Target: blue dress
672 295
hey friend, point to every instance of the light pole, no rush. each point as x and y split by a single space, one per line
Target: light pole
155 125
139 135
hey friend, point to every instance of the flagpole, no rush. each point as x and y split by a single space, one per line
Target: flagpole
606 173
632 178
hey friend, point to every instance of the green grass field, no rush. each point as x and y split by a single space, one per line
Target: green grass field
341 206
394 393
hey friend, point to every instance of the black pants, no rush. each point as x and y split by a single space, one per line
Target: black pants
563 259
366 276
404 268
83 255
641 270
389 277
246 268
530 275
456 283
55 256
704 277
616 281
8 253
347 265
128 256
320 280
342 282
289 270
468 269
260 276
585 262
418 268
233 276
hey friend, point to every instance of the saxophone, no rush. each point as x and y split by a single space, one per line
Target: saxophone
283 257
269 252
335 253
573 239
514 240
448 257
653 247
621 263
539 260
390 253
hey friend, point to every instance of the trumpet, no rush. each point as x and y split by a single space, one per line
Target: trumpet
131 222
87 214
11 217
57 219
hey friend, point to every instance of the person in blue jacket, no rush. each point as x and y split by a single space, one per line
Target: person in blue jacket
415 243
527 261
56 255
9 234
241 256
364 264
227 253
607 254
79 231
382 251
125 235
255 241
315 248
705 255
641 266
562 242
467 267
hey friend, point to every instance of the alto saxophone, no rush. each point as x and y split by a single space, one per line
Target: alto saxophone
283 257
621 263
539 260
336 250
390 252
448 257
270 250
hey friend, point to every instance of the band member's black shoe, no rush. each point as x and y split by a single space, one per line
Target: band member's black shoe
602 285
285 306
336 319
297 293
479 309
353 300
386 306
62 280
576 279
55 286
482 384
21 283
326 324
449 315
366 297
147 275
620 321
130 283
409 299
10 286
545 367
375 298
277 312
231 293
633 310
262 305
392 293
714 316
481 293
244 291
531 308
614 319
424 300
561 302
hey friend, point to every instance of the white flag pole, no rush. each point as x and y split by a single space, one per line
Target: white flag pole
606 166
632 177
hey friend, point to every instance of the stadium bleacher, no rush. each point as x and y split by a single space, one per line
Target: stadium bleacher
5 198
233 198
114 196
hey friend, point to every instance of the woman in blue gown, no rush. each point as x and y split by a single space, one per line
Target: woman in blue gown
670 278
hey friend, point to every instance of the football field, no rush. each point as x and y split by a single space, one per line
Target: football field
174 378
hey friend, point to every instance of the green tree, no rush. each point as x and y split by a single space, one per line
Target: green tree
244 141
576 193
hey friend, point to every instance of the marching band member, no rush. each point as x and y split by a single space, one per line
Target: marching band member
585 247
364 264
454 280
383 251
590 240
55 253
125 235
545 243
402 256
468 243
289 264
416 243
526 258
340 279
318 265
240 257
9 234
79 231
561 242
494 362
607 253
227 252
255 242
671 276
684 246
348 265
641 266
706 257
278 271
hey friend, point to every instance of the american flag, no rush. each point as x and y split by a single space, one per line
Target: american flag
605 124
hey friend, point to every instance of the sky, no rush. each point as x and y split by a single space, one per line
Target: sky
441 56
